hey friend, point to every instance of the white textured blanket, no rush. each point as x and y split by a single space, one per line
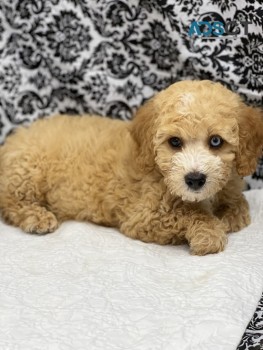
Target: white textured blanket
87 287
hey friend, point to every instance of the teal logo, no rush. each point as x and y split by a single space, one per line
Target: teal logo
217 28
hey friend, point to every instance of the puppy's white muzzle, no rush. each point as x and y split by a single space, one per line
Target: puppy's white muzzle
196 173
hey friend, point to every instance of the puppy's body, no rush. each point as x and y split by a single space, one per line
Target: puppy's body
79 166
74 165
125 175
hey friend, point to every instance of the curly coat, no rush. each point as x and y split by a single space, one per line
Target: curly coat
127 175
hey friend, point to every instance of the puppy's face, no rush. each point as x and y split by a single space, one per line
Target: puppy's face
195 153
198 133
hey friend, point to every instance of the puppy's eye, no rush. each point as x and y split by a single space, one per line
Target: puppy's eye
216 141
175 142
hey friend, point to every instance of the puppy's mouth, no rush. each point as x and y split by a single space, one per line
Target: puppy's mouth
194 195
194 192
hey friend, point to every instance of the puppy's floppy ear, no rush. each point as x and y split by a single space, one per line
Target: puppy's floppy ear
250 122
142 129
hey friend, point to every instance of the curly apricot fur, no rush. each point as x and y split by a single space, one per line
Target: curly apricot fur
126 175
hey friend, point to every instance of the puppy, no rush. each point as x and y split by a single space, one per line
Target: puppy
171 175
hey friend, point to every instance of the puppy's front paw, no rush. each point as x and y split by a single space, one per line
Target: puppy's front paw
208 241
235 223
235 216
40 224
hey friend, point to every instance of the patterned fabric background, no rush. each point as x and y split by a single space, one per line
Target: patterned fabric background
253 337
108 56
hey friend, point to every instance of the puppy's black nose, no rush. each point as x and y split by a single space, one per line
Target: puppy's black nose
195 180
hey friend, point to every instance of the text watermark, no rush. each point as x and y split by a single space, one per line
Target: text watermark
217 28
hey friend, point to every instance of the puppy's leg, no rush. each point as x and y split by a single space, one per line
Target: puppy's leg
22 196
31 218
234 214
232 208
204 232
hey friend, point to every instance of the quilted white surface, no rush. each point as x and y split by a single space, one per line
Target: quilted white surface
87 287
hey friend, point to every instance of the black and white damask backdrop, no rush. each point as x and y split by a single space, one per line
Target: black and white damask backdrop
108 56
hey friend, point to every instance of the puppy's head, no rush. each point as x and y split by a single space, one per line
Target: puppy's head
198 133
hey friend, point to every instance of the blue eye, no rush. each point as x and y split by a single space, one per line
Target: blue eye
216 141
175 142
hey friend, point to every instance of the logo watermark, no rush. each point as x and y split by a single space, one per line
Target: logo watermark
218 29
